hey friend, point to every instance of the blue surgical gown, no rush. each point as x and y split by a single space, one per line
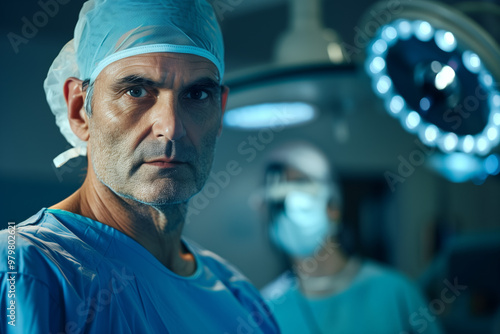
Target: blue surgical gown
76 275
377 301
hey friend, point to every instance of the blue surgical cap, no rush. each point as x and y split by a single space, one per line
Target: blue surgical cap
110 30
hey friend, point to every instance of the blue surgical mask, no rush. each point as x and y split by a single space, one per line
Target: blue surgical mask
303 225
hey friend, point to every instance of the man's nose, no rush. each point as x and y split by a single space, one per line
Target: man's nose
167 118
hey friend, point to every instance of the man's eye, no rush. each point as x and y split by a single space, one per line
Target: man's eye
137 92
197 94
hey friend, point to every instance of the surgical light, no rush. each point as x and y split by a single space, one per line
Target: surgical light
277 96
457 167
309 74
433 65
269 115
461 167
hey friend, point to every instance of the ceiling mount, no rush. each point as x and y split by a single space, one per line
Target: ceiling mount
309 61
307 40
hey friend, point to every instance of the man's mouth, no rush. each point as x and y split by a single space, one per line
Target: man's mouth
164 163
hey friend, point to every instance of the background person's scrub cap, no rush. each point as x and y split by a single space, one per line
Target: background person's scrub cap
110 30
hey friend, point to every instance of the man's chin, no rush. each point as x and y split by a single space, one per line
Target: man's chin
164 197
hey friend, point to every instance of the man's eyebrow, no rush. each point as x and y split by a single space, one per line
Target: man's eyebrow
133 80
138 80
205 82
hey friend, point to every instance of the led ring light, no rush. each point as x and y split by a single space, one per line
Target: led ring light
438 72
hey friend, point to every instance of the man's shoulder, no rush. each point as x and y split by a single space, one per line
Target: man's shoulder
22 236
41 246
31 221
38 230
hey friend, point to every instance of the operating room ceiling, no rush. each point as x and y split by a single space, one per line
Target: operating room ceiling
252 27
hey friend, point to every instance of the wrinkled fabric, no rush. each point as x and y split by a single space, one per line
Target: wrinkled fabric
76 275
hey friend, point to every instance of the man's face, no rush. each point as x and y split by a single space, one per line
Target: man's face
154 123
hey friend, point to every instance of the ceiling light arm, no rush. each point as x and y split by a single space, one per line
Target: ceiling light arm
305 14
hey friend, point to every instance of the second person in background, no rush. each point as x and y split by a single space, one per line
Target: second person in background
325 290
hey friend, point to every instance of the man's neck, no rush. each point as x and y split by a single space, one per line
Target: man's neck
158 229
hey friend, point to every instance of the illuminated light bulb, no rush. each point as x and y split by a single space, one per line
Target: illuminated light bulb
377 65
495 100
412 120
389 33
425 104
379 47
450 142
471 61
445 40
492 134
404 29
486 79
468 144
264 115
397 104
436 66
444 77
384 84
482 145
431 133
423 30
496 118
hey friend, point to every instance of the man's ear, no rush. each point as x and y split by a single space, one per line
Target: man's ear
223 101
78 118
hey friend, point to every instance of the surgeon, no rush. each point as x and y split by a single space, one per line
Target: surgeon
325 290
138 90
